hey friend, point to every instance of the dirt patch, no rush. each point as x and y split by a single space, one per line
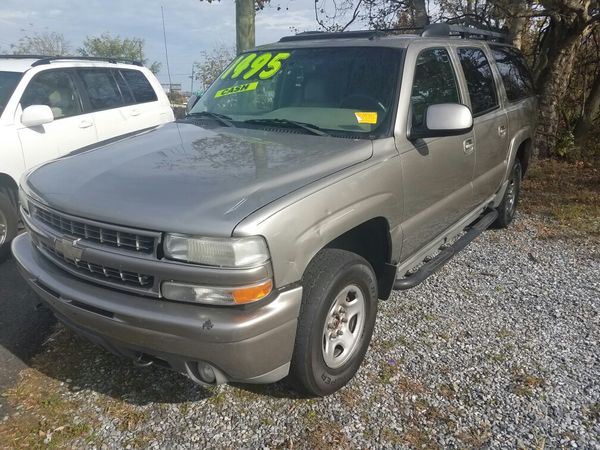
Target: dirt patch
567 194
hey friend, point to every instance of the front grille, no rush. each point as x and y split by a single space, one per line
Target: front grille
100 235
102 272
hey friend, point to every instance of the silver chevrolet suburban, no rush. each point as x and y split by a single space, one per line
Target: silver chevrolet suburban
252 240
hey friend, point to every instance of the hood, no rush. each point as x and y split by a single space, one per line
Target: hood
185 178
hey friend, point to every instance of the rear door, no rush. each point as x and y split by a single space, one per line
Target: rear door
105 101
436 172
490 122
71 129
142 107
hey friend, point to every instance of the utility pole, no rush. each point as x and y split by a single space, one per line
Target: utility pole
244 24
192 81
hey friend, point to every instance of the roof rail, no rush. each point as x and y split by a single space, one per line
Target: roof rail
49 59
465 32
46 59
311 35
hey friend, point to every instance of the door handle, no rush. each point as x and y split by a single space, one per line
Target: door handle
85 124
468 146
502 131
134 112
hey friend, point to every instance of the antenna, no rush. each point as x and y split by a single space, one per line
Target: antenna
162 12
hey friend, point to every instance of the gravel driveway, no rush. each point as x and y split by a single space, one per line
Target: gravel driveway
500 349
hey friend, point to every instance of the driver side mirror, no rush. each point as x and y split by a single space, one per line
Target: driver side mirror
444 119
36 115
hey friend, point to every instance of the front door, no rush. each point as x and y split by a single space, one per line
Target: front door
71 128
436 172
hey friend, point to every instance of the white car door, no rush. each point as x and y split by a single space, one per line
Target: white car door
106 102
71 129
143 108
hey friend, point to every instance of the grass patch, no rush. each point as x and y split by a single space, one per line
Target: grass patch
321 433
45 417
567 193
525 384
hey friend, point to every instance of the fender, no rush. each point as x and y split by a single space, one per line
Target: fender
297 231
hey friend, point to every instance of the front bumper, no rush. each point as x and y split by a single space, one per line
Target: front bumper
251 344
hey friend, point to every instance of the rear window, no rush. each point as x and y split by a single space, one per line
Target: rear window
101 89
140 86
514 71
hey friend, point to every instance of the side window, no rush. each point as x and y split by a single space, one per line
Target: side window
124 88
514 72
480 80
101 88
140 86
434 82
54 88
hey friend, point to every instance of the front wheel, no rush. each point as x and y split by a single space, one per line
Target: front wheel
508 206
337 316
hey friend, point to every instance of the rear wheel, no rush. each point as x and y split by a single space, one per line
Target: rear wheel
8 224
337 316
508 206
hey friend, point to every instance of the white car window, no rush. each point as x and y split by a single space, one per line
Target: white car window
101 88
54 88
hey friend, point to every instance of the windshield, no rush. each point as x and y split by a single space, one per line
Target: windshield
348 91
8 82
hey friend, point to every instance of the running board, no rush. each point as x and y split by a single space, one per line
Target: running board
432 266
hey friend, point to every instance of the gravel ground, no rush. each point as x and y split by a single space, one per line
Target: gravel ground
500 349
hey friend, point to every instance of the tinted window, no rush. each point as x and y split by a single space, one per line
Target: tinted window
124 88
140 86
480 80
54 88
8 82
434 82
514 72
101 88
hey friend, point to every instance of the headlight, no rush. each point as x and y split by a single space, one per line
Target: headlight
222 252
185 292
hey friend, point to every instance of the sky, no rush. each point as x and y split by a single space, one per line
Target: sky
192 26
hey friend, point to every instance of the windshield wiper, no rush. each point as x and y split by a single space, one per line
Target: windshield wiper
221 118
313 129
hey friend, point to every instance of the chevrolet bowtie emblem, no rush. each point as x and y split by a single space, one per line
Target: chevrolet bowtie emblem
69 249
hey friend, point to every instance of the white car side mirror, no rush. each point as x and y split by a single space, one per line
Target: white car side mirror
36 115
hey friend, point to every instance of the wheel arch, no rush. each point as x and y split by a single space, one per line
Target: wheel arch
371 240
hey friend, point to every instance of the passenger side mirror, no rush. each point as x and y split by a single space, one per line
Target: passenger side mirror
36 115
444 119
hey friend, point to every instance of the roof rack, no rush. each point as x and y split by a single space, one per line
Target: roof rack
465 32
45 59
449 29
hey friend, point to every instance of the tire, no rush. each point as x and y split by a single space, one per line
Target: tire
8 224
324 360
506 209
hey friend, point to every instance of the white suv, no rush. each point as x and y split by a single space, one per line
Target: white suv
50 106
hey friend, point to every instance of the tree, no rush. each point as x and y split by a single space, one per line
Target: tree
49 44
109 46
212 64
245 15
376 14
